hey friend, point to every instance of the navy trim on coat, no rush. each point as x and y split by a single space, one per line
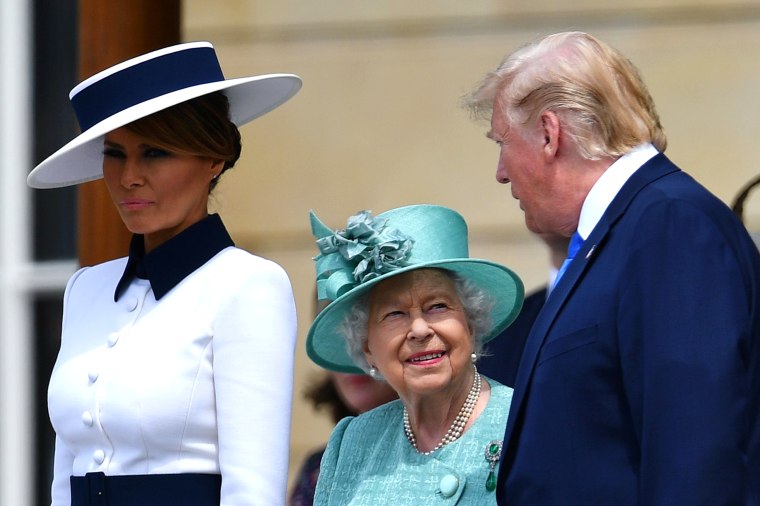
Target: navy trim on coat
171 262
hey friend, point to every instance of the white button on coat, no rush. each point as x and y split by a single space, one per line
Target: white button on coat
113 338
87 418
99 456
92 376
448 485
131 303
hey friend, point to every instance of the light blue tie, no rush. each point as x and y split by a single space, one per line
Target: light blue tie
576 241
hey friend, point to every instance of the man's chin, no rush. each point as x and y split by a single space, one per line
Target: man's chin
531 225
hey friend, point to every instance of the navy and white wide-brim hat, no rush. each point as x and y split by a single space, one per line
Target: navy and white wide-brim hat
147 84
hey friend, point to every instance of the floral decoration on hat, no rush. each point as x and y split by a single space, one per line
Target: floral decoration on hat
366 249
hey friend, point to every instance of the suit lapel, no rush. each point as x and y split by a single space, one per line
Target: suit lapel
654 169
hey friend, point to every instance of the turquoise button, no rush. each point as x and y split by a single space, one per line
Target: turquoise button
449 485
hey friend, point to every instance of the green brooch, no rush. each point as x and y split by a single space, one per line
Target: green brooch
493 453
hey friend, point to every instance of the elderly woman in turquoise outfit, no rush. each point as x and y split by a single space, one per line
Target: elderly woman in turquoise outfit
410 306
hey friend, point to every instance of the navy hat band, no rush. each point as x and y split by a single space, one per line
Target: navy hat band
143 81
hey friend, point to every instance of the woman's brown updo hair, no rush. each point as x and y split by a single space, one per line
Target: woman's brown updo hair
197 127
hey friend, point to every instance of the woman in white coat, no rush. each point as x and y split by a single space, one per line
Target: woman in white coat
173 384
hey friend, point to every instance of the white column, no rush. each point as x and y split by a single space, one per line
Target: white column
16 377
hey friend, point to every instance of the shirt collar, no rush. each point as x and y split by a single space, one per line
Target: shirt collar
553 271
609 184
171 262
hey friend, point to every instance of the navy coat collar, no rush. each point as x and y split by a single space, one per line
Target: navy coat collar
171 262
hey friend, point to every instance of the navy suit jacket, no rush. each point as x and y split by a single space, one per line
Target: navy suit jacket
640 380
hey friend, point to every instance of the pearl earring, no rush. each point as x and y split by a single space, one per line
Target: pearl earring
373 372
474 357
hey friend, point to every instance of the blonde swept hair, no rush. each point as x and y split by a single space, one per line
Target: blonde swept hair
597 93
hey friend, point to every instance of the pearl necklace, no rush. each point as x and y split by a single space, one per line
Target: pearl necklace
457 427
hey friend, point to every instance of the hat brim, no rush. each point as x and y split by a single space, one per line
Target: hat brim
326 344
81 159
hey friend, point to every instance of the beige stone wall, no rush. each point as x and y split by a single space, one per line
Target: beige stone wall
378 123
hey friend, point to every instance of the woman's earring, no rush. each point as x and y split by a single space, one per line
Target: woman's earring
474 357
373 372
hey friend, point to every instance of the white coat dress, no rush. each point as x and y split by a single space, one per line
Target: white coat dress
199 381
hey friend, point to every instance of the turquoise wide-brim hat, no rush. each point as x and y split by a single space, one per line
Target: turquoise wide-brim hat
372 249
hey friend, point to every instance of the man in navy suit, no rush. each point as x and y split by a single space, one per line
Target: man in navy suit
640 379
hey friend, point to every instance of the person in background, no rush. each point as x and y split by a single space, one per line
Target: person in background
501 357
640 379
410 306
173 383
342 395
739 203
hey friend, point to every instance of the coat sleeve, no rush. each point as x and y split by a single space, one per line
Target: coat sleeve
329 465
63 464
63 458
254 339
689 354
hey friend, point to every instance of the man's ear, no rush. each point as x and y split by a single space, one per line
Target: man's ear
550 132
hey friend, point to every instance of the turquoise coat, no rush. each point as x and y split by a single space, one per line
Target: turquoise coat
369 460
